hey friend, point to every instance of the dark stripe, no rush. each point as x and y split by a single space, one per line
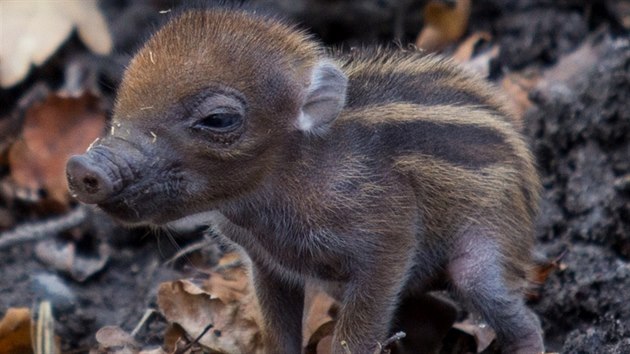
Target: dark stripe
426 88
467 146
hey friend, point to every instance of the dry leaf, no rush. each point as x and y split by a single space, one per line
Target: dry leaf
517 88
33 30
318 322
113 336
54 130
15 331
466 49
425 319
482 333
172 338
65 257
153 351
621 11
320 341
443 24
229 281
542 270
480 63
226 301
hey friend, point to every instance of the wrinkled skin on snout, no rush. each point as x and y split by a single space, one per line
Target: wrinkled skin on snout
146 171
135 182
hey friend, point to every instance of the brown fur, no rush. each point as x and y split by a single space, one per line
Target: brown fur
421 174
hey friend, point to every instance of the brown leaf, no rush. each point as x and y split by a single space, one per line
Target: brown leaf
114 336
466 49
482 333
229 281
53 131
15 331
480 63
226 302
172 337
319 322
425 319
517 87
443 24
33 30
542 270
153 351
320 342
621 11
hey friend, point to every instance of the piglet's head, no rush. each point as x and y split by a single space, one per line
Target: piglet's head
212 107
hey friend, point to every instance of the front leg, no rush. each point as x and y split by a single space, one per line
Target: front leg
282 305
370 301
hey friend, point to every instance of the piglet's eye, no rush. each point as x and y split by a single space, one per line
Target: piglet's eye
220 122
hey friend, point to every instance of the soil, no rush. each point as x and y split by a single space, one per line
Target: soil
578 124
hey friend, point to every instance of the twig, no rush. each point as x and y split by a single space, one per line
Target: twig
44 330
187 250
196 340
143 320
42 229
394 338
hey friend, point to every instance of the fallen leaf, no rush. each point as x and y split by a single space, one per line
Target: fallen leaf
443 24
481 332
172 337
480 63
54 130
466 49
517 87
114 336
226 301
425 319
229 281
65 257
319 321
320 342
620 10
542 270
153 351
15 331
33 30
11 125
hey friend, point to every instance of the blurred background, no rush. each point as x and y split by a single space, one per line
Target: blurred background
564 66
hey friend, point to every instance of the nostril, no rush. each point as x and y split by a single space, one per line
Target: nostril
91 184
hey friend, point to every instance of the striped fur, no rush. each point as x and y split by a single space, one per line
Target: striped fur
422 175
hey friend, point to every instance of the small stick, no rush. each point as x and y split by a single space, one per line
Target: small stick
196 340
394 338
40 230
44 330
143 320
187 250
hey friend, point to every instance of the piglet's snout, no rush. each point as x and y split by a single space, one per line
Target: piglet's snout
88 181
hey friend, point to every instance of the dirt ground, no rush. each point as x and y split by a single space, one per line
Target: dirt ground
578 120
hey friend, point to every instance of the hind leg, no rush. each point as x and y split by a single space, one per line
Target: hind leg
478 280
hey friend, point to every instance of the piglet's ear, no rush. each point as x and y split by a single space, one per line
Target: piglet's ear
325 97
